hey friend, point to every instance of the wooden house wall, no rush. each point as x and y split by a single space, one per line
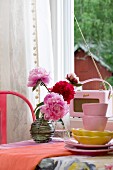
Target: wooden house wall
85 69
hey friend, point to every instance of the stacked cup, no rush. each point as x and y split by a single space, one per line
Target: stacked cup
94 117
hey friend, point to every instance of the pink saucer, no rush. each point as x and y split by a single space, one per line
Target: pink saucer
74 143
89 152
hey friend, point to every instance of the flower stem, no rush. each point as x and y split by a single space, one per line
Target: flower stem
43 84
65 128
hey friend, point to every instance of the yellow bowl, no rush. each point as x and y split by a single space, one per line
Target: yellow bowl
92 140
83 132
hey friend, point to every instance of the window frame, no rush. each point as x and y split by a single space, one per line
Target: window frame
62 19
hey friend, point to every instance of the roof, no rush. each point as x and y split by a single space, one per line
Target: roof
86 50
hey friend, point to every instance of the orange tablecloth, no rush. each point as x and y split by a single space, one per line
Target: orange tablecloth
27 157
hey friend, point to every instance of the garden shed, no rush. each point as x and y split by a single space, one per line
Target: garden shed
85 69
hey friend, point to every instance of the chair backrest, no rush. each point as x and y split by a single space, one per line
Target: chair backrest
3 112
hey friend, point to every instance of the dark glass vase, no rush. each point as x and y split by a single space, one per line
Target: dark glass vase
42 130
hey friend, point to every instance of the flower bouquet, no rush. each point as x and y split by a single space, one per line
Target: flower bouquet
56 103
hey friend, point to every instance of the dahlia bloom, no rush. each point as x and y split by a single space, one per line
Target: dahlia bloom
54 107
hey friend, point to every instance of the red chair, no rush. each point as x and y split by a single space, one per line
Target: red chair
3 112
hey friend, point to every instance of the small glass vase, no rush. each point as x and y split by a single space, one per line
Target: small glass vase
42 130
61 130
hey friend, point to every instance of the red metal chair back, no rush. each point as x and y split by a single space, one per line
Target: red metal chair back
3 112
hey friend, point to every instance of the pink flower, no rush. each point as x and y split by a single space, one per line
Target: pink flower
36 75
54 107
72 77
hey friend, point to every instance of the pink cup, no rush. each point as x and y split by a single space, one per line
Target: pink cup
94 123
95 109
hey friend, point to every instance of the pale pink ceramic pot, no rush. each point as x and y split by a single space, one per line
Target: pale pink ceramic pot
95 109
94 123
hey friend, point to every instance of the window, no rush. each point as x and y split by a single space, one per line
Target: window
95 21
62 33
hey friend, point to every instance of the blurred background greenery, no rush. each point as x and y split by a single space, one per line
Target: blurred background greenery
95 18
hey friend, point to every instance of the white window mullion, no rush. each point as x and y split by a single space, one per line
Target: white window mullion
68 23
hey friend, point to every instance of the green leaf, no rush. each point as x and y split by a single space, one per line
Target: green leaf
37 109
38 105
37 113
76 84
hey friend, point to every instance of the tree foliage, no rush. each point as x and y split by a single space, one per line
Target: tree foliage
95 18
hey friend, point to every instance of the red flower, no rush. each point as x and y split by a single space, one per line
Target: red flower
65 89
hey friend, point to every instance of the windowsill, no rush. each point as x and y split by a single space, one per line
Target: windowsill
77 123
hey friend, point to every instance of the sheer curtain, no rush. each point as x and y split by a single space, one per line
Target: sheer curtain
55 27
44 36
16 59
40 30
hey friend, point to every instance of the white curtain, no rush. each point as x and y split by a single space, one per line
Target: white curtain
55 27
44 36
16 59
22 31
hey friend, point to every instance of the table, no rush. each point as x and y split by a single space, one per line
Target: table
71 161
